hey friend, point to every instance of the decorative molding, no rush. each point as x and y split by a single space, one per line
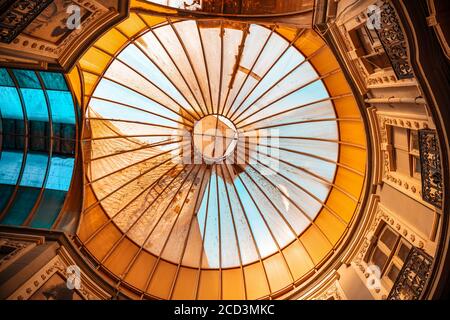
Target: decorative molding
22 243
413 276
387 79
88 290
328 289
376 137
47 43
333 292
20 248
17 15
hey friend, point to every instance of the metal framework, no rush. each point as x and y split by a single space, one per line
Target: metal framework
221 185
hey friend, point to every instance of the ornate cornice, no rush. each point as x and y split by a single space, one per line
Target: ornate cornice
45 42
17 15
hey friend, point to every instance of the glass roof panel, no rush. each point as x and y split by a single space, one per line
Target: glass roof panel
5 79
35 170
27 79
10 105
224 85
61 104
59 177
54 81
35 104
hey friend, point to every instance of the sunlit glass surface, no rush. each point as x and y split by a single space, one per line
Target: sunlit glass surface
238 207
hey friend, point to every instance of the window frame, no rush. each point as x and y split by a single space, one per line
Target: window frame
392 254
414 154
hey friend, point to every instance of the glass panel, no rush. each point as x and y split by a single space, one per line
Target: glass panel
35 104
62 107
379 258
169 40
23 203
27 79
230 250
393 273
129 97
13 132
60 174
158 55
35 169
417 165
249 252
212 47
274 221
259 230
210 231
6 191
414 141
135 58
284 98
5 79
10 105
39 136
403 252
188 30
49 208
389 238
289 193
53 80
10 164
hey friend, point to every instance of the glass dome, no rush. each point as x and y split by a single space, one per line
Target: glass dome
222 159
243 199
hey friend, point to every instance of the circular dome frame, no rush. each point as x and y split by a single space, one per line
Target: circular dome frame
304 256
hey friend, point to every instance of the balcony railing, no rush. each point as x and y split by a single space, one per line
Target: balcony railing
413 276
393 40
430 161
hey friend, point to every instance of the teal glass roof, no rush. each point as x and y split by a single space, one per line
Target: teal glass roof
37 154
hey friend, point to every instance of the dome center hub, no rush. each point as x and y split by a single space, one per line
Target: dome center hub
215 138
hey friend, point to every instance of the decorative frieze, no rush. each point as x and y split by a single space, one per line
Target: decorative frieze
87 290
333 292
17 15
49 41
